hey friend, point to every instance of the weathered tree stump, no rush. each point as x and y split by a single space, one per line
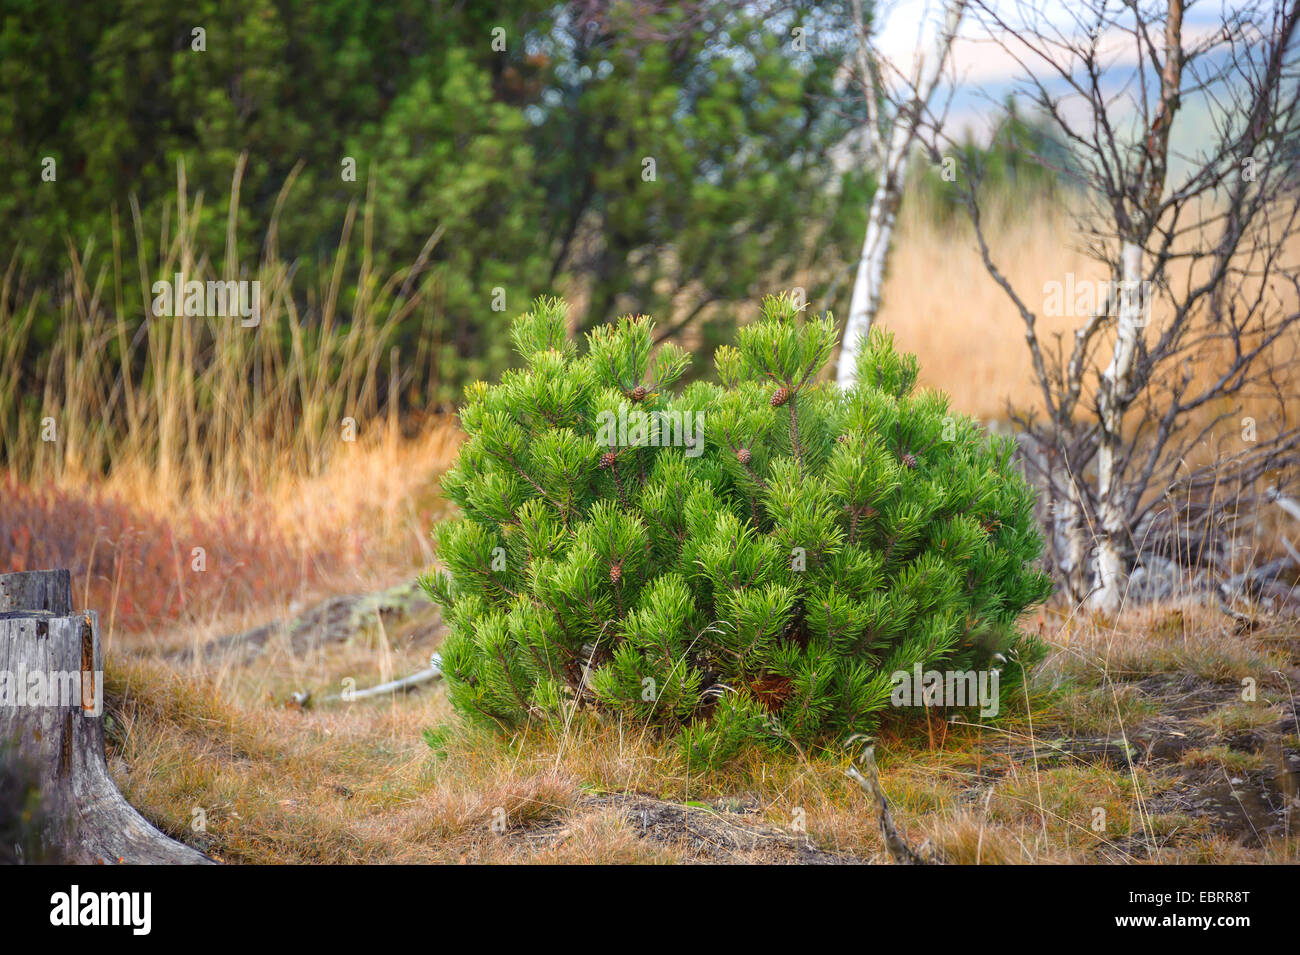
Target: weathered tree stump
51 706
48 590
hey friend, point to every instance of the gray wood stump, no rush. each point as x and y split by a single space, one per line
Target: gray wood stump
53 704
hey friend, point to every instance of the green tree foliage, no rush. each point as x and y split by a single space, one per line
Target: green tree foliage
688 157
529 157
761 583
120 94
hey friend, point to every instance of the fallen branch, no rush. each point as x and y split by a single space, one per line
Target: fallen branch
1266 580
432 673
331 621
899 850
1287 504
1291 549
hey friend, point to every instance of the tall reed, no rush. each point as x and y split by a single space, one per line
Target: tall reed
200 406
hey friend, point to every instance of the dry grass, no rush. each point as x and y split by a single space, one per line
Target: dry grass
149 566
1126 725
200 406
197 471
1076 774
941 303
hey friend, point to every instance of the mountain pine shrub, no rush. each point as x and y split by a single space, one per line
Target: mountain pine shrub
744 561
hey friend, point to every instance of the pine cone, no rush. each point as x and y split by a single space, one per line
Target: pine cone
639 393
615 573
743 455
607 459
780 396
909 460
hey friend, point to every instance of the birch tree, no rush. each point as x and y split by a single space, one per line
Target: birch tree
896 108
1172 401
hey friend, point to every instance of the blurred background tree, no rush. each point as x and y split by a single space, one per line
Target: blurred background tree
1021 156
636 156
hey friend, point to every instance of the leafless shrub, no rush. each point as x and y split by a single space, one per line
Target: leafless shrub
1170 408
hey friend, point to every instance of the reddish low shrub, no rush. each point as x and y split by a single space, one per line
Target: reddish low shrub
144 568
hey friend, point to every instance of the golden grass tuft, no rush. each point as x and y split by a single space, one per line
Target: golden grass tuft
349 783
213 755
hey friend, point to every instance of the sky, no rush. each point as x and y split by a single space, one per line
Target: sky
909 23
986 74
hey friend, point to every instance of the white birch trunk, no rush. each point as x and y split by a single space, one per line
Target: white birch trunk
869 279
1072 539
1109 566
